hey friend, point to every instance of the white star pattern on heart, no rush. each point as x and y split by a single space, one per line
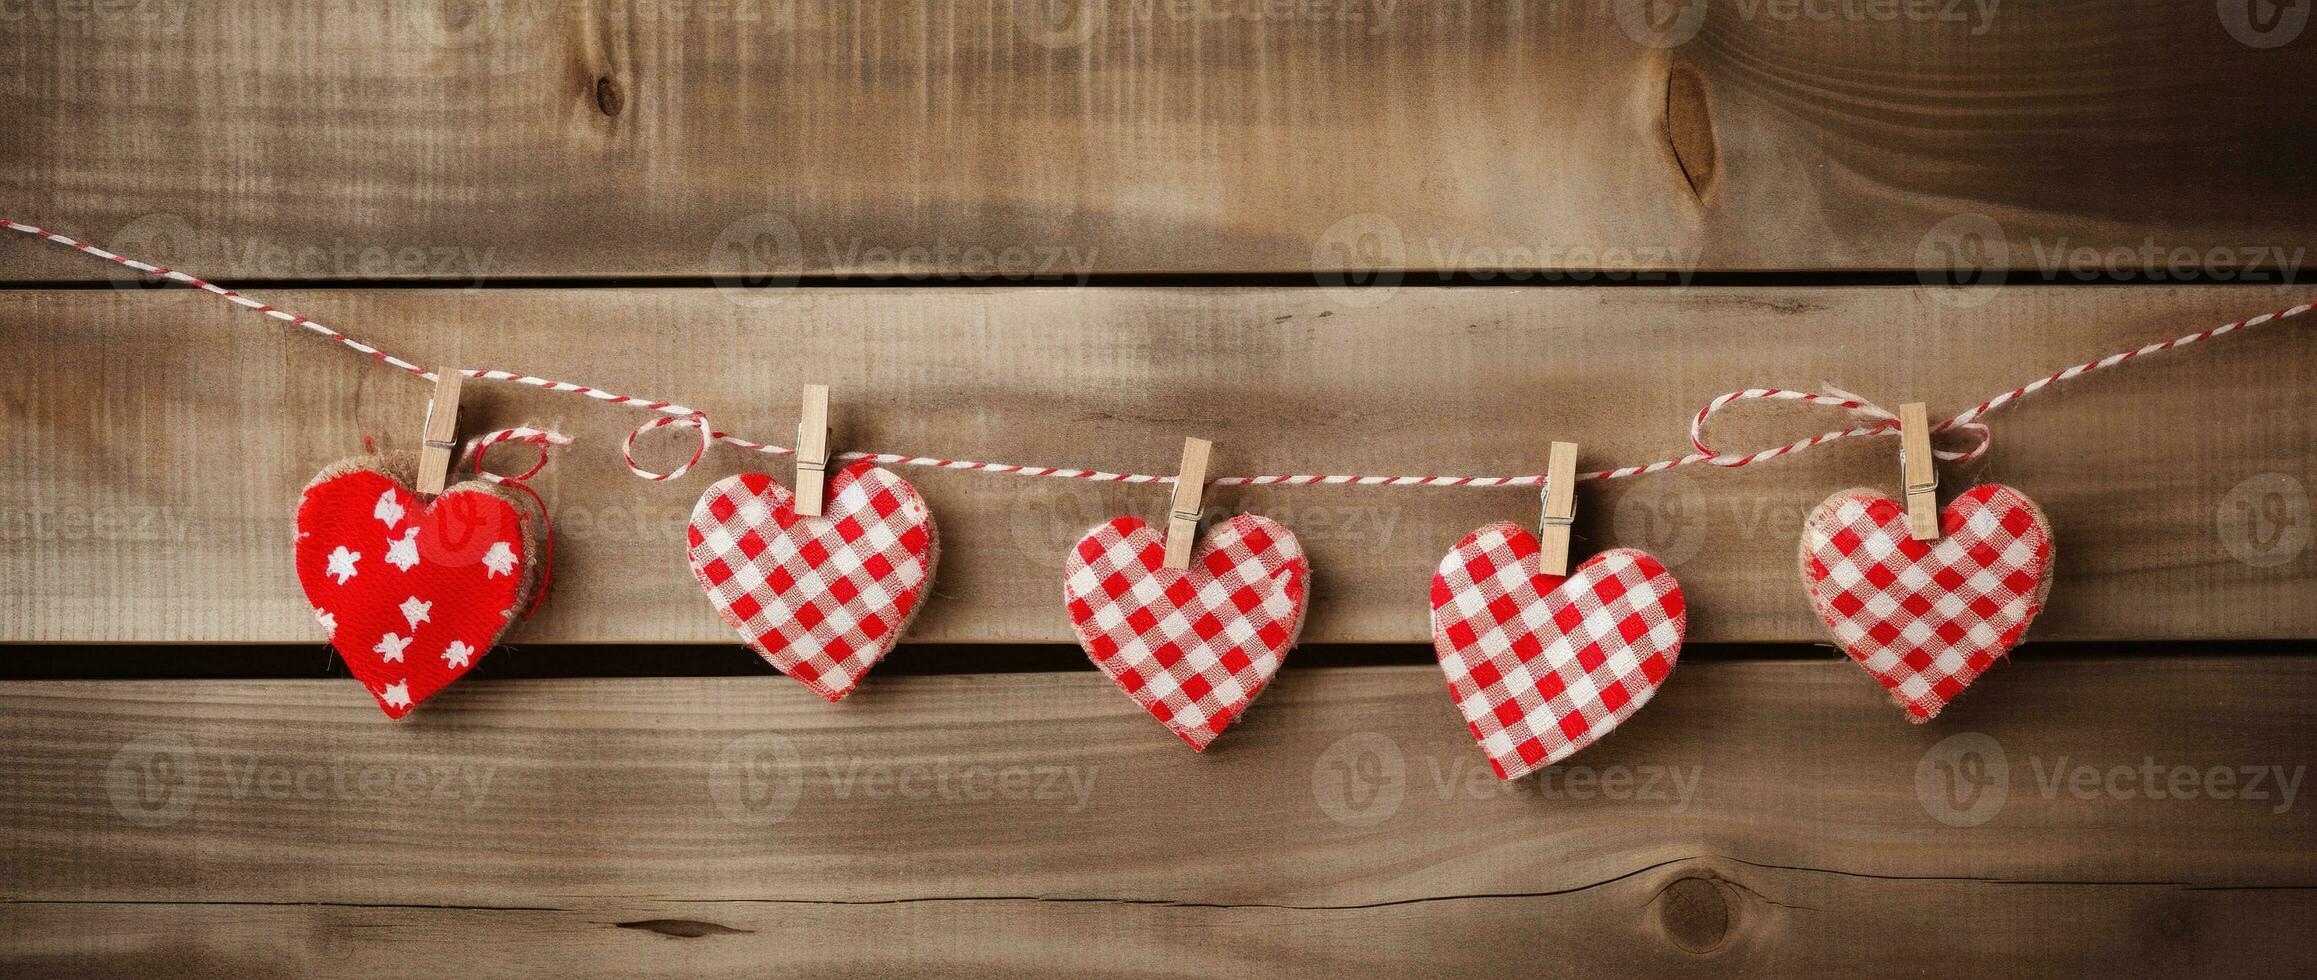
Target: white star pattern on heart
500 559
329 622
342 563
388 509
458 654
389 648
415 611
403 553
397 694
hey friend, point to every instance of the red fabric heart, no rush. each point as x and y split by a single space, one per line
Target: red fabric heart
1926 618
1543 665
822 598
1193 647
411 596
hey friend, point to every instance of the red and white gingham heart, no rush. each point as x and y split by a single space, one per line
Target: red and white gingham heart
1540 665
1194 646
411 595
822 598
1926 618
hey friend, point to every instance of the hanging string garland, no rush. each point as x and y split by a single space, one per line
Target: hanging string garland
1885 422
1540 663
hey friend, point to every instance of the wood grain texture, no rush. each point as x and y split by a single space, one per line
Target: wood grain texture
157 441
1801 922
995 138
1770 816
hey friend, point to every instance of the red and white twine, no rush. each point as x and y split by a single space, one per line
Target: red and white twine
1884 423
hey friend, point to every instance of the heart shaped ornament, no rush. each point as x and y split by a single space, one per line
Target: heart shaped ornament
1926 618
411 595
821 598
1192 646
1543 665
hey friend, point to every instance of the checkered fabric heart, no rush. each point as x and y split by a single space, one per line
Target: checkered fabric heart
1926 618
1195 646
822 598
411 594
1541 665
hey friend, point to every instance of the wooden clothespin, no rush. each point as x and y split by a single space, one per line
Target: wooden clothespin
1183 512
1560 509
441 437
1917 473
812 451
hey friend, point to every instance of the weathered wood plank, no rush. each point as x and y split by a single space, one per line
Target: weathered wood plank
1696 918
1345 787
995 138
158 441
1767 816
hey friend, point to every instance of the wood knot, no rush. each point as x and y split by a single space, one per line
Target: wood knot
1695 913
682 928
608 96
1689 126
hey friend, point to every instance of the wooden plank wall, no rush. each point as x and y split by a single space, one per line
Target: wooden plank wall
1763 817
284 139
954 214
